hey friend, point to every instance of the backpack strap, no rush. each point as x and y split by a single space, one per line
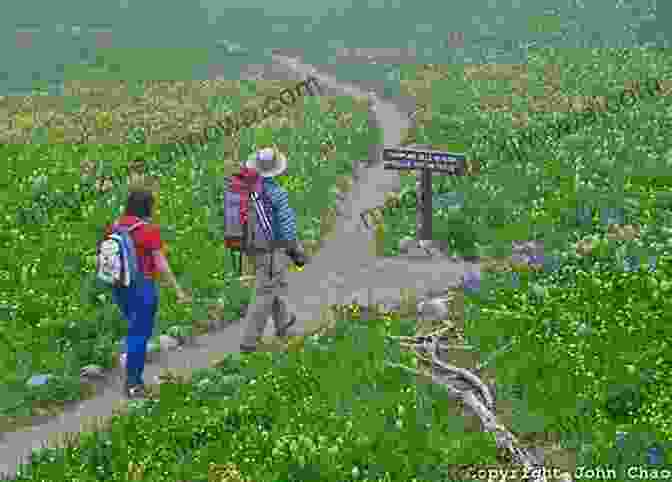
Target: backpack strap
262 216
116 226
136 225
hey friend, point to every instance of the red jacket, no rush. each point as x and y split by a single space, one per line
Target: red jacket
147 239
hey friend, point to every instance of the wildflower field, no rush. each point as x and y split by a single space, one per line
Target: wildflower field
580 335
281 416
583 330
55 318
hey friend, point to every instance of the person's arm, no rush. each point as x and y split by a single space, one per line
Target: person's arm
164 269
285 216
286 224
151 239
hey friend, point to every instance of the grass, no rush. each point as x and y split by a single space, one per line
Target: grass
281 416
288 415
586 339
618 161
592 331
59 320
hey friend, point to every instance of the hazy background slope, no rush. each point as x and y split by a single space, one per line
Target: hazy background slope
38 39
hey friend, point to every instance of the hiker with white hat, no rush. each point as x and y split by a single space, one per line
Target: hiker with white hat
271 271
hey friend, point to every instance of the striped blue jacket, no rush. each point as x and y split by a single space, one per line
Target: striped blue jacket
284 217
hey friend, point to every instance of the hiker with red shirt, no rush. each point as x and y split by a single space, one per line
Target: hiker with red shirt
147 238
139 302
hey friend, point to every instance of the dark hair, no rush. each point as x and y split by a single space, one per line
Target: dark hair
140 203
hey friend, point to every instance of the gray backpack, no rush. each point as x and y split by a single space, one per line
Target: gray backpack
117 260
248 225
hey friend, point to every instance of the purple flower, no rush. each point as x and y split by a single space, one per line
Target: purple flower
515 280
620 439
529 253
537 259
471 282
612 215
653 261
632 263
654 456
584 215
39 380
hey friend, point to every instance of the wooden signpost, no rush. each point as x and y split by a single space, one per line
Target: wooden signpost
427 161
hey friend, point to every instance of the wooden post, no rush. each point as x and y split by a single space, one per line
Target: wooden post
419 209
427 161
426 232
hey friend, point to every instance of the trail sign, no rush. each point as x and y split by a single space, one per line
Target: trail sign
427 161
403 158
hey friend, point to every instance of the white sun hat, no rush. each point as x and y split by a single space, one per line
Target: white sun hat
268 162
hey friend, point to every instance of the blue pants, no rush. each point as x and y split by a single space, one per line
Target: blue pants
138 304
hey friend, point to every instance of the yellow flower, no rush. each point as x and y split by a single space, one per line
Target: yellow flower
225 473
24 121
56 135
103 120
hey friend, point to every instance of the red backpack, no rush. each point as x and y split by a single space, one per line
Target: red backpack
247 217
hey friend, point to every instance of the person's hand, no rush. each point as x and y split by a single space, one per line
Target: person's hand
298 258
183 297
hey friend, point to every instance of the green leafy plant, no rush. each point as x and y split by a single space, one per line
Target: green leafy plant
54 217
279 415
583 342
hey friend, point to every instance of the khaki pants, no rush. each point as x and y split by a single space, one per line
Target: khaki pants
271 296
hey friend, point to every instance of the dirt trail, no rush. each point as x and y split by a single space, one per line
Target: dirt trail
344 268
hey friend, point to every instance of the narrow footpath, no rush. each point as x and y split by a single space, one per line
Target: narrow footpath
343 270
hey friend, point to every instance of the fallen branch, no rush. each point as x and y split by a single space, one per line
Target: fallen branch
463 385
482 389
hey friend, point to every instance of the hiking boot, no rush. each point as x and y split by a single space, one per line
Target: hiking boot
283 330
135 391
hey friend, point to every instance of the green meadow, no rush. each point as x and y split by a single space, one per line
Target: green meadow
57 319
581 345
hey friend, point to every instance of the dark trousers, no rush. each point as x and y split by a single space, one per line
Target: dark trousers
138 304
